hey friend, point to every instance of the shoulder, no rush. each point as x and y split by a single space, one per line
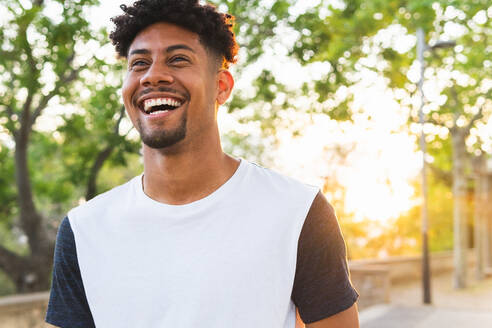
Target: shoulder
278 183
321 213
65 244
117 196
321 233
278 194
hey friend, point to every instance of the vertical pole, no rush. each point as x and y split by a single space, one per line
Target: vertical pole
479 226
426 288
488 221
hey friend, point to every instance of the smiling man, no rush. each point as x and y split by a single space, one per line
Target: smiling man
200 239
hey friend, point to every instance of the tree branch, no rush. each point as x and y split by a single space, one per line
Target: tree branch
66 79
30 59
22 136
100 159
32 83
30 218
118 122
96 167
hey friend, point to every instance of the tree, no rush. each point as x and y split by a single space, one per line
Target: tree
463 74
345 36
43 65
352 37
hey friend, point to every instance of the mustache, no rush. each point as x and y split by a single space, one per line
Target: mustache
162 89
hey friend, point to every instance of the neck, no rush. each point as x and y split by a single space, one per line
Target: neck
182 176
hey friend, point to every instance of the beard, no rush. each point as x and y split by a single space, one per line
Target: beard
164 138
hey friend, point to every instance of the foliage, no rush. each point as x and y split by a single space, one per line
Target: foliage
7 191
6 285
96 131
458 86
352 37
51 60
257 25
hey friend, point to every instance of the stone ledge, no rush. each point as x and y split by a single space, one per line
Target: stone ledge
373 284
19 303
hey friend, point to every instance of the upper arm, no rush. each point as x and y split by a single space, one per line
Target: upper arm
322 288
68 305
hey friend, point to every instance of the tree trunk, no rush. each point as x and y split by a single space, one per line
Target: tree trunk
103 155
480 228
30 219
95 169
459 208
32 273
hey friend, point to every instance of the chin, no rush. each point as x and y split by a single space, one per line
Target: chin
159 142
158 139
163 139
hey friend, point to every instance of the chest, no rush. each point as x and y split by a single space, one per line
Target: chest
167 270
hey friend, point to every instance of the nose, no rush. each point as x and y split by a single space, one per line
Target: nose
156 74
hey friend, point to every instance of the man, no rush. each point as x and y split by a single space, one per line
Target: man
201 239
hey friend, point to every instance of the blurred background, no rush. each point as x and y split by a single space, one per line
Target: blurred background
383 104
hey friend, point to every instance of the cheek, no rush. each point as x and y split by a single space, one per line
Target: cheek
205 88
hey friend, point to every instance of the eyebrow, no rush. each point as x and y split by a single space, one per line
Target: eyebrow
168 50
179 47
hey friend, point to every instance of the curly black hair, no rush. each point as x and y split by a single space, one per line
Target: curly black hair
213 28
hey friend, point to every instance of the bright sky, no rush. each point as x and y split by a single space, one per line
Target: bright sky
378 170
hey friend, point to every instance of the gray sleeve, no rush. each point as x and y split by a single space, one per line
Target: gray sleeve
322 284
68 305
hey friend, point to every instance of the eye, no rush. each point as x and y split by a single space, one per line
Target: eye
179 59
137 63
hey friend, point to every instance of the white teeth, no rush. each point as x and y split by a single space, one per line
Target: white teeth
160 102
158 112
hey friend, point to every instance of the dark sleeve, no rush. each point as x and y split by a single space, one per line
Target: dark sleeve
322 284
67 307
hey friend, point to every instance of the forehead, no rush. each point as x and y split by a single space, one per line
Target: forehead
160 36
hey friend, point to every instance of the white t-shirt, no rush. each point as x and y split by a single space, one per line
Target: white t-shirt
227 260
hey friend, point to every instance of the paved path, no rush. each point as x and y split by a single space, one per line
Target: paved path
397 316
470 307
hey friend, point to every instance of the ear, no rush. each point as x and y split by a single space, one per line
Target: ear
225 84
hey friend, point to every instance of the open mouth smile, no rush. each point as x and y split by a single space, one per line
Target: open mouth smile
154 106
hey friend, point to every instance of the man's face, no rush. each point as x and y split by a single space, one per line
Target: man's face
170 89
